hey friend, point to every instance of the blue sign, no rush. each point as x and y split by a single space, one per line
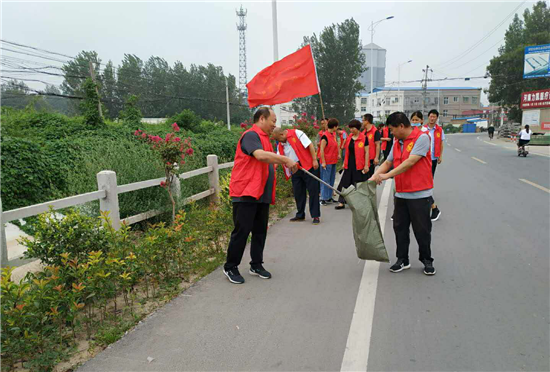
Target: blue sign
536 61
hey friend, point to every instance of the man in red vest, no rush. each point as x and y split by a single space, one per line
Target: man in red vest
296 145
386 140
373 136
412 172
252 190
437 137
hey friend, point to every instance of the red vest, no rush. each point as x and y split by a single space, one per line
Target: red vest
331 149
438 133
372 145
321 134
359 152
384 134
304 156
250 175
417 178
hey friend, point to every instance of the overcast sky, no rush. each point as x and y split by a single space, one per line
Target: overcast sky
429 33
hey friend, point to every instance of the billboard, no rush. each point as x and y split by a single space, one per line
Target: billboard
535 99
536 61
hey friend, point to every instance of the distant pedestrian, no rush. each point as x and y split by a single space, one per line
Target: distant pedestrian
343 135
491 131
329 156
356 164
373 138
411 159
437 137
252 189
296 145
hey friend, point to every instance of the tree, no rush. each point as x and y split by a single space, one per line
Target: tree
89 107
340 62
130 77
109 91
76 71
131 114
15 94
506 69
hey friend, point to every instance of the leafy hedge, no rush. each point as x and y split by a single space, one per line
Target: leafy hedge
48 156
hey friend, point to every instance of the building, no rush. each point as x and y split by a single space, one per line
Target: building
287 114
449 101
379 67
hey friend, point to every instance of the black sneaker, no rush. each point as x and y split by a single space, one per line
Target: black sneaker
400 265
324 202
234 275
333 201
436 213
429 268
259 270
340 206
296 219
316 221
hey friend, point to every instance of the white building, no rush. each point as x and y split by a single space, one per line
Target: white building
287 114
378 65
449 101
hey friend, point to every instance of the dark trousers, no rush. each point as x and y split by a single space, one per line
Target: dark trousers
248 218
371 169
434 166
387 152
302 184
418 213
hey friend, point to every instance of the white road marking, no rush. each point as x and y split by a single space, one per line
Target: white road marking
481 161
356 355
489 143
535 185
458 150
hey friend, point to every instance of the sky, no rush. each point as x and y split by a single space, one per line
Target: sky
456 39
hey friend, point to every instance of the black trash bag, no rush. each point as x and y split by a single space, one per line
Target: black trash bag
369 241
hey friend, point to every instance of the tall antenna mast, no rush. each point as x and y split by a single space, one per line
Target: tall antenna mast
241 26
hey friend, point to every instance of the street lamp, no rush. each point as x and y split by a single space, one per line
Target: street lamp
399 73
371 29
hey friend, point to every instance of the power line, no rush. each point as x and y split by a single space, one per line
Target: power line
467 51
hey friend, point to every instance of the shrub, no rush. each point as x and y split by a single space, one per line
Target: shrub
187 120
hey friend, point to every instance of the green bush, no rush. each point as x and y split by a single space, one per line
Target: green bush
187 120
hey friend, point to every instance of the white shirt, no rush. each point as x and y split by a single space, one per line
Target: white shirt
524 135
289 151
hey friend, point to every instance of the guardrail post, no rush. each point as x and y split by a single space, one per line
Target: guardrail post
106 180
214 177
4 257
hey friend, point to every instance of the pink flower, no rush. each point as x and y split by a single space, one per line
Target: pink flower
144 135
304 114
175 127
168 163
315 122
243 125
168 136
177 139
316 126
312 117
162 184
189 151
137 132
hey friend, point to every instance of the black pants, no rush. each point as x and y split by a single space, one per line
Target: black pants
248 218
387 152
434 165
302 184
417 212
371 169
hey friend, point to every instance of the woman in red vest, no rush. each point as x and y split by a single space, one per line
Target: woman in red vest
373 138
412 172
356 165
296 145
252 190
329 151
386 140
437 137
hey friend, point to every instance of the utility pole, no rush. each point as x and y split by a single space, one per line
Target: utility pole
92 74
425 88
227 100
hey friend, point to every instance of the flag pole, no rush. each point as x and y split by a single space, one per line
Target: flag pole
318 85
276 108
322 107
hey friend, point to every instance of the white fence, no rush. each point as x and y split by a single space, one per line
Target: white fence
107 194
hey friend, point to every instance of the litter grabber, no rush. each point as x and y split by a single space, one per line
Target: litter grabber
361 198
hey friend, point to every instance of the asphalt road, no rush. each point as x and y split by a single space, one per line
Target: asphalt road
487 308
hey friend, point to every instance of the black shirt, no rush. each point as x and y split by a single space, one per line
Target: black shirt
250 143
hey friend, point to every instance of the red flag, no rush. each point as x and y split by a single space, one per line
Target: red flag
292 77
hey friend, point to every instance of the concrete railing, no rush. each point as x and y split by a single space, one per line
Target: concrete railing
108 192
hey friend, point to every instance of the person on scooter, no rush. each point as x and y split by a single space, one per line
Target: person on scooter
524 137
